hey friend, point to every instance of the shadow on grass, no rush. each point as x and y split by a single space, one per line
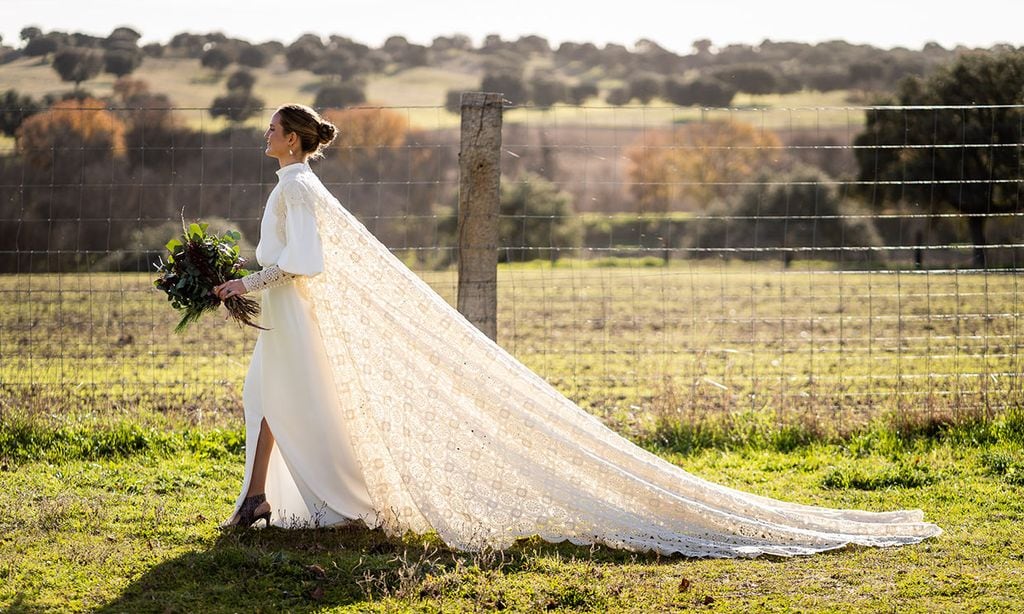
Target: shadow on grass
310 569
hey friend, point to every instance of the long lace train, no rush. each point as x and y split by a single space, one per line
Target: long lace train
455 435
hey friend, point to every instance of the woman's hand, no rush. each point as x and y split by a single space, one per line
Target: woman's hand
235 287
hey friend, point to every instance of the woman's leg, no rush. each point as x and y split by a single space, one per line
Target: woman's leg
264 445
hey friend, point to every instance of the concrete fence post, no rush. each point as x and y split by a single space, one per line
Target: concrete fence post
479 186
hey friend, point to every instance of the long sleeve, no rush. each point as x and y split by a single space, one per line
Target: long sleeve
269 277
303 252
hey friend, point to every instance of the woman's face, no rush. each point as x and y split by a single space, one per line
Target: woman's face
278 143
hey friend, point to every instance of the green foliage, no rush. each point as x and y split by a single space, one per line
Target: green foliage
645 87
618 96
582 92
547 91
29 32
77 64
121 62
217 57
704 91
237 105
793 211
340 96
508 83
197 262
14 109
254 56
908 170
122 55
749 78
537 220
1005 464
301 56
241 80
41 45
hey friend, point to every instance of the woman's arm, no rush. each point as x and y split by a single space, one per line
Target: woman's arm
269 277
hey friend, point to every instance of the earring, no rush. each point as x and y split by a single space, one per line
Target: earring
291 153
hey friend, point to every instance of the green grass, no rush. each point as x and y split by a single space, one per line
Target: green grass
133 529
121 444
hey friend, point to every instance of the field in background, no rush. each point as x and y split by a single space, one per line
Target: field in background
702 339
420 92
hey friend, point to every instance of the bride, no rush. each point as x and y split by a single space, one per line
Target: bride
370 398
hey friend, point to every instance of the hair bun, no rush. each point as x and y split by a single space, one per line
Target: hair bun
327 132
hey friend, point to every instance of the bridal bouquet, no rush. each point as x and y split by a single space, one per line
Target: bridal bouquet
196 262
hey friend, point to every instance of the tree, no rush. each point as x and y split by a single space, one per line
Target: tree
30 32
341 63
789 211
71 125
581 93
702 46
121 62
645 87
749 78
301 56
536 217
42 45
237 106
153 50
364 129
692 165
867 74
77 64
125 33
546 91
241 80
702 91
618 96
254 56
533 44
122 55
15 108
347 94
509 84
217 58
827 79
910 170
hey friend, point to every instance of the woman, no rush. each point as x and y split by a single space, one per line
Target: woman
387 406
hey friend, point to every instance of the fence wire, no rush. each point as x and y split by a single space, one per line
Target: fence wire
832 264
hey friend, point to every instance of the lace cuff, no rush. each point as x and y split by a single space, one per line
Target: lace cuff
267 278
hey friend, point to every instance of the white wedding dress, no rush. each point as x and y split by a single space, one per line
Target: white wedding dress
389 407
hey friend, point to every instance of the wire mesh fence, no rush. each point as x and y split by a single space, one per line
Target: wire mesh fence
828 264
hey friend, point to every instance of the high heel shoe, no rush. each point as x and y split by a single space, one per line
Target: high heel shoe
253 508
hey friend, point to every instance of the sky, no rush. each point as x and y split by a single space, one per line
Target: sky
673 25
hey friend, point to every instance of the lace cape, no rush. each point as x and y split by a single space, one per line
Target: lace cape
455 435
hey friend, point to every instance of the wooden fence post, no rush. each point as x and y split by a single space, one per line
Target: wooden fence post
479 185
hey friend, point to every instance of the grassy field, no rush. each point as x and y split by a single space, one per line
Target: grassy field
121 445
699 338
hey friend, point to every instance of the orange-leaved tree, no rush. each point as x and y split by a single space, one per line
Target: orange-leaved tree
689 166
82 128
362 132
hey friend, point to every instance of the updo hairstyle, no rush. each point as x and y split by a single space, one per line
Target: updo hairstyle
315 133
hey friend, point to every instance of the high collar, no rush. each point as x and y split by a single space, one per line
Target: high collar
291 169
